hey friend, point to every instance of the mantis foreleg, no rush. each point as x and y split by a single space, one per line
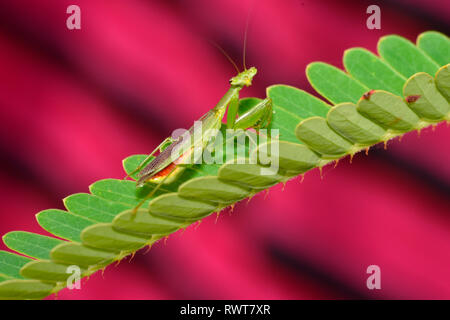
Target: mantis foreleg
256 116
233 107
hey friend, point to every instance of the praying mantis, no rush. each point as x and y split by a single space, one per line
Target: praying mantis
163 169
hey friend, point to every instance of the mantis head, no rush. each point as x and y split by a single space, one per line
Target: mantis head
244 78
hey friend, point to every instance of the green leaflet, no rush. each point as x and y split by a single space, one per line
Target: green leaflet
121 191
248 176
25 290
212 189
345 119
294 158
10 265
425 99
63 224
373 72
292 105
46 271
435 45
318 135
102 228
93 207
145 224
31 244
443 81
103 236
334 84
389 111
405 57
171 205
297 102
80 255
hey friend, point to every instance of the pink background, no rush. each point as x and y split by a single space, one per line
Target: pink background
73 104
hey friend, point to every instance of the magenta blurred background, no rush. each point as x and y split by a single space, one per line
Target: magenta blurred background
73 104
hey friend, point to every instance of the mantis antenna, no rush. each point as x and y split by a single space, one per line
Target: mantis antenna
245 46
244 49
226 55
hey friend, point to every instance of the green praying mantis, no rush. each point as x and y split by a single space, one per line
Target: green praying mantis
164 169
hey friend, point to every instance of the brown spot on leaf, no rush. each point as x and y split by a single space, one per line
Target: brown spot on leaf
367 95
412 98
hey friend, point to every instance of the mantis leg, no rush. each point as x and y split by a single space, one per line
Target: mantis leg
259 116
161 147
233 107
266 119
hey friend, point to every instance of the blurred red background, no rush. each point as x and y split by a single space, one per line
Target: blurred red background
74 103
